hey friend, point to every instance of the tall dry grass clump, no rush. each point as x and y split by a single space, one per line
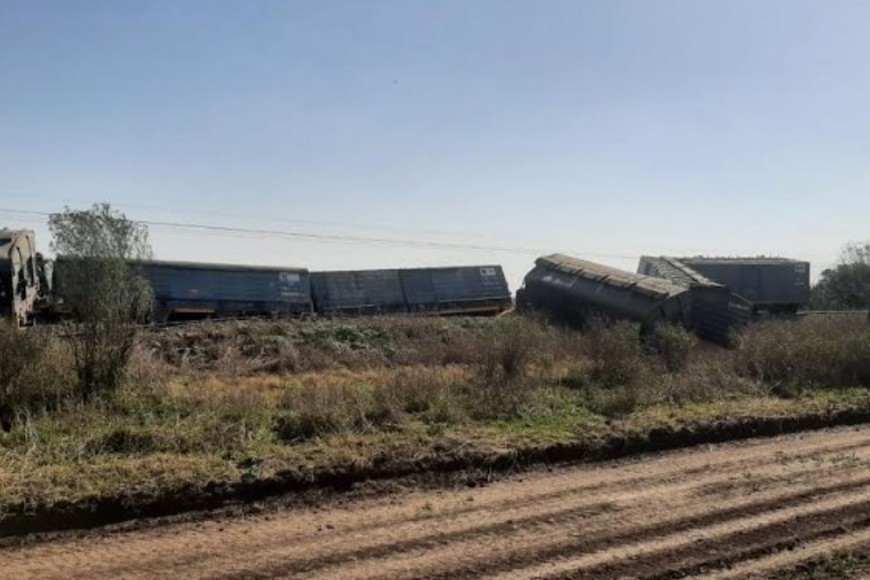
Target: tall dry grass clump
813 352
36 372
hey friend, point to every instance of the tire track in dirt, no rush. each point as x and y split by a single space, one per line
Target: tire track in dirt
857 542
743 540
527 546
344 546
743 506
557 483
529 519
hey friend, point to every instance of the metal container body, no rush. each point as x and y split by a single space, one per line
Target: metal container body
226 290
456 290
767 283
716 311
577 290
19 275
357 292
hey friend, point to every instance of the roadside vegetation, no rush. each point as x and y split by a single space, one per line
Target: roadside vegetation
215 405
102 410
846 286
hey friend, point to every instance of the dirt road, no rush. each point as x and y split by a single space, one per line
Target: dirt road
754 509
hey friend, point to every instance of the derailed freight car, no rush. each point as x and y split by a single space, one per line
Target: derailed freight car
357 292
716 309
775 285
577 291
456 290
470 290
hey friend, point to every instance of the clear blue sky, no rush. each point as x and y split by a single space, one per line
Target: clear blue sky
600 128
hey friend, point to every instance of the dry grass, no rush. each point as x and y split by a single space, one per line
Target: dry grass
229 401
817 352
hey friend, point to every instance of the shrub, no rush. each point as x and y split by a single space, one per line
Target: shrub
101 291
616 354
672 344
815 352
512 348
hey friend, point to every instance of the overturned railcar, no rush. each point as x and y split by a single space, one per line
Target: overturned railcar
577 290
456 290
716 310
357 292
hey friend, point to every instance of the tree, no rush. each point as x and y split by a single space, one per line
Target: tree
847 285
100 289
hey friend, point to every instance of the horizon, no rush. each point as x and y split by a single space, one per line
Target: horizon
604 130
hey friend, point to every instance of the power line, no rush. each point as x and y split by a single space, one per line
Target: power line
342 238
298 221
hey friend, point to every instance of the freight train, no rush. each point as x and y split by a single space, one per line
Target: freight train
710 296
185 290
772 285
577 291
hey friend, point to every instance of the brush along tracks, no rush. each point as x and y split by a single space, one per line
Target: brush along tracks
761 508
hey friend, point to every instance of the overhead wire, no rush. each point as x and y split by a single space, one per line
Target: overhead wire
332 237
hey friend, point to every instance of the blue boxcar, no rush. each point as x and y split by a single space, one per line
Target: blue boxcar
184 289
456 290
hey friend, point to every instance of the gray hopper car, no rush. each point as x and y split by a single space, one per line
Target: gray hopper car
775 285
456 290
357 292
716 310
576 290
441 291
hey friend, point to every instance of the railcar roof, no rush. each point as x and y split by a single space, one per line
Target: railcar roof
222 266
610 276
676 271
746 260
212 266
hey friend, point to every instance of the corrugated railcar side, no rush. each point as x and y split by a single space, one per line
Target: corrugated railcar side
358 292
772 284
198 289
577 291
456 290
716 311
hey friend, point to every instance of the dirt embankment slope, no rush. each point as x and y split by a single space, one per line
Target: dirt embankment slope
762 508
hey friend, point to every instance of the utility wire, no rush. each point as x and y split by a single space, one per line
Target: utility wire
335 237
